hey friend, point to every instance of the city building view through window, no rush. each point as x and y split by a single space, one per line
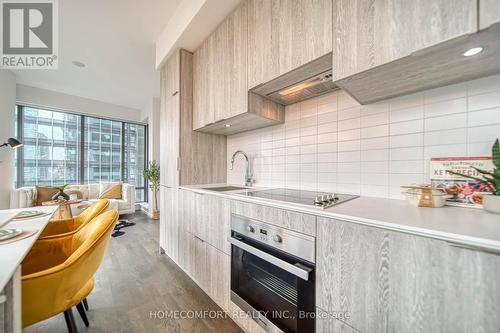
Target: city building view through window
67 148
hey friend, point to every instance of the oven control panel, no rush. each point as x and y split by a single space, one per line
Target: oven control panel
297 244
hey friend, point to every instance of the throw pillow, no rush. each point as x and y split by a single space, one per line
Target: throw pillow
44 193
112 192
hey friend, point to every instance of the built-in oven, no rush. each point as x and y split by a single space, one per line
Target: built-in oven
272 275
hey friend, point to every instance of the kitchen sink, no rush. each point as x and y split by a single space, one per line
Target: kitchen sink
224 188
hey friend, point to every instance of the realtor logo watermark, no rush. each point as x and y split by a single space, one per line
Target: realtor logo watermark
29 34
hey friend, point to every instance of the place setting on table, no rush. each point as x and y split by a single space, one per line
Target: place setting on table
8 233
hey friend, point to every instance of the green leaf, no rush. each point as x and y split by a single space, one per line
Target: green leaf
495 154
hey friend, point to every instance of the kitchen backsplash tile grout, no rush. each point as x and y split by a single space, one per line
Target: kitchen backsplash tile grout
331 143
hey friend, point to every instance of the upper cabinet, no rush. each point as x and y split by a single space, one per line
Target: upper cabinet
284 35
389 48
489 13
370 33
184 152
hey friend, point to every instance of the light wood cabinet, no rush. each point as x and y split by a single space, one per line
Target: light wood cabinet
370 33
215 215
393 282
169 226
284 35
183 152
218 285
489 13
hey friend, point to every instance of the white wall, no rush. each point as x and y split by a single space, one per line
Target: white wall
7 130
151 115
52 99
331 143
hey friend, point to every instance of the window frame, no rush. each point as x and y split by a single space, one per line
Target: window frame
81 155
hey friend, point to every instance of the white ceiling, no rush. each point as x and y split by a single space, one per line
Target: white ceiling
116 40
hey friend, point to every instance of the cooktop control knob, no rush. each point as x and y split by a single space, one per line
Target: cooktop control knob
250 228
277 238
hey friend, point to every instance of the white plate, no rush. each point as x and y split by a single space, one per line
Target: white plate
9 233
26 214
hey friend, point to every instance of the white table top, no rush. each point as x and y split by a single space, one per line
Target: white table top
12 254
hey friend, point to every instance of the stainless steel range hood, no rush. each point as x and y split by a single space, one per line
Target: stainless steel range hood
311 80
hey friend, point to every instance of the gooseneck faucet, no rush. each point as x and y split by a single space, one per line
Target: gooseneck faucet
248 174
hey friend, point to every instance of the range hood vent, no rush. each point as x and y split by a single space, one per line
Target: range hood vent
311 80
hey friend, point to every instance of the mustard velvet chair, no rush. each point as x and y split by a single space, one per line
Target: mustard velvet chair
59 227
58 272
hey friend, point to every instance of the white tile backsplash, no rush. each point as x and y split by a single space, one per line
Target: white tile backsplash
331 143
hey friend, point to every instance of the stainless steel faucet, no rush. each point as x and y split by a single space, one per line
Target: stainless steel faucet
248 173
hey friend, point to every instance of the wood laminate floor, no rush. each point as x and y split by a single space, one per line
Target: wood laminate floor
133 283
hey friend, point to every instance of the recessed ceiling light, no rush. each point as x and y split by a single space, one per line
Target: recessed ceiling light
473 51
227 125
78 64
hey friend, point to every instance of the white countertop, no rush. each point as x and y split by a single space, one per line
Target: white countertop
467 226
12 254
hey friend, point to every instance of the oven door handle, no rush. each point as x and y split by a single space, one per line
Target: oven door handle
298 270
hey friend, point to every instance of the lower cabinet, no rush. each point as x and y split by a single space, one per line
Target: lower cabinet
375 280
218 279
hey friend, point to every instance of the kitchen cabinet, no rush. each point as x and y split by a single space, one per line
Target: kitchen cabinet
215 215
370 33
393 282
169 227
10 304
378 54
489 13
284 35
183 152
218 285
222 103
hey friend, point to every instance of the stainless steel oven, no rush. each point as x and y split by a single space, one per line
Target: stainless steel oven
272 274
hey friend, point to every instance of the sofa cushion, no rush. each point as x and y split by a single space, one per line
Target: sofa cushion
113 191
44 193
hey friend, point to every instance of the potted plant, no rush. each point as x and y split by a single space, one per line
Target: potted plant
152 174
491 180
60 194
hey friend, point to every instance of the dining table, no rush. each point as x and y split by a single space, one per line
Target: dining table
12 254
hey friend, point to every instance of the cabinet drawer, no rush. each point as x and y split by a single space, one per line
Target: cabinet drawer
299 222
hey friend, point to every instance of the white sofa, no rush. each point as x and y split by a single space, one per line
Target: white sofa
23 197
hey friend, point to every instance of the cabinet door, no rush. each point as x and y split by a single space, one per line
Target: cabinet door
305 31
369 33
163 218
286 34
169 224
218 276
203 84
385 281
216 216
489 13
170 122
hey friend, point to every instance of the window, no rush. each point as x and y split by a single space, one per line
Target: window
66 148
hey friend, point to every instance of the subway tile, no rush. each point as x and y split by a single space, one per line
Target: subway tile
374 120
327 128
308 149
327 147
485 117
310 121
348 145
308 108
309 167
293 150
406 101
445 93
405 179
455 150
293 168
375 155
308 140
327 137
375 143
349 156
328 99
328 117
292 112
406 166
447 107
375 131
407 127
327 157
312 130
349 177
375 179
371 109
350 113
484 101
446 122
327 167
406 154
329 177
279 143
348 188
486 133
406 140
324 186
445 137
348 124
374 191
479 148
416 112
483 85
375 167
308 157
348 135
291 142
348 167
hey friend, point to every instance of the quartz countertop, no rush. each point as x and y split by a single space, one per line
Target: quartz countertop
467 226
